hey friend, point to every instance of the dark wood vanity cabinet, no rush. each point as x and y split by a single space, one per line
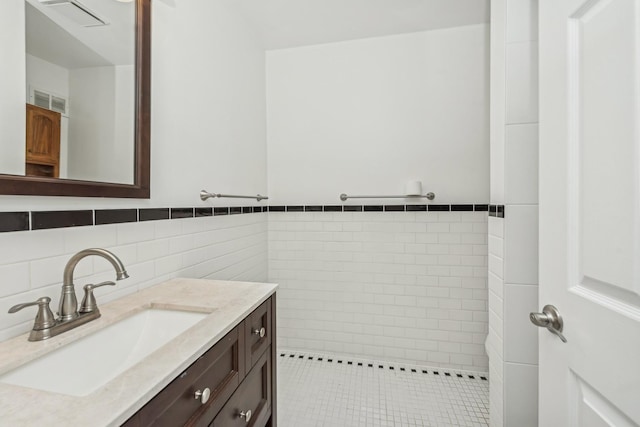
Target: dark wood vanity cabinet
237 373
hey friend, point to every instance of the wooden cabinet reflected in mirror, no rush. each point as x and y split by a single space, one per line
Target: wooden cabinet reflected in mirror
43 142
98 144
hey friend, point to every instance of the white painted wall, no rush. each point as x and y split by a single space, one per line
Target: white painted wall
208 106
208 130
365 116
12 87
101 132
47 76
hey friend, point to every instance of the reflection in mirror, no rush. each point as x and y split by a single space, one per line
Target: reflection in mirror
80 75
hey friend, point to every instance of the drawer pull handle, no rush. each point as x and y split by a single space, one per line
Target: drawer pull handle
246 415
203 396
262 331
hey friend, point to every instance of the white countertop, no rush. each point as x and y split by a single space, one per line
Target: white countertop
228 304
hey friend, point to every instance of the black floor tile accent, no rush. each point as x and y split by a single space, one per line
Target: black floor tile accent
14 221
60 219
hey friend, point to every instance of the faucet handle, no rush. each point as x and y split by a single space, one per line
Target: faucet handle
88 303
44 318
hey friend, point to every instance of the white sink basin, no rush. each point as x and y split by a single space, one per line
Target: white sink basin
79 368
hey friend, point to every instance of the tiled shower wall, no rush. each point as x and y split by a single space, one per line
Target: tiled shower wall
404 286
513 241
230 247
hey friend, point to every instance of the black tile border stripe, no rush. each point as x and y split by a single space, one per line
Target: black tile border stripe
14 221
44 220
177 213
115 216
200 212
153 214
41 220
220 211
496 211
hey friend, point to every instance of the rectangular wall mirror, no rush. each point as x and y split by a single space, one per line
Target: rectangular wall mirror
87 101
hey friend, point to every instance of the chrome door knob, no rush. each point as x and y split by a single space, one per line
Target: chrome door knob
245 415
262 331
549 318
203 395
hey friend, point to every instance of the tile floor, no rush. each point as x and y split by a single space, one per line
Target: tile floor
331 391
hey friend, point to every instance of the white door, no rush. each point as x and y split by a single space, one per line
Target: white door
590 211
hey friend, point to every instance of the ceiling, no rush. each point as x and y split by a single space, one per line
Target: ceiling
55 38
293 23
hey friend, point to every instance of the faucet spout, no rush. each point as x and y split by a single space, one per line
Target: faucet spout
68 301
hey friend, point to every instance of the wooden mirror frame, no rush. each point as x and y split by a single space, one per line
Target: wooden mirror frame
141 189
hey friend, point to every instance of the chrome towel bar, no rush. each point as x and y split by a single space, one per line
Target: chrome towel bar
204 195
429 196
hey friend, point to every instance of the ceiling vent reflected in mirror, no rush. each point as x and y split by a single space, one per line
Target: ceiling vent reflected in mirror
76 12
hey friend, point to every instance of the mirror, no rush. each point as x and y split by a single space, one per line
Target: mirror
88 101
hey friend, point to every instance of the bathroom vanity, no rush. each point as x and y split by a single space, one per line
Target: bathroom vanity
218 372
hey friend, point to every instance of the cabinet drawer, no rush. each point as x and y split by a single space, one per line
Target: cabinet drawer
254 395
220 369
258 332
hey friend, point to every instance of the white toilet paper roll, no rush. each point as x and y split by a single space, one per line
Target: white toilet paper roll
413 188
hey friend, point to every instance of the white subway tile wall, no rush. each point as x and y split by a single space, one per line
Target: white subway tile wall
495 339
513 242
223 247
405 286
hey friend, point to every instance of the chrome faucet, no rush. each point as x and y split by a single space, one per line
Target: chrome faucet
68 308
46 325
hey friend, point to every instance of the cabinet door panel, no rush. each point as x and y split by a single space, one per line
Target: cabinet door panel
254 394
258 332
